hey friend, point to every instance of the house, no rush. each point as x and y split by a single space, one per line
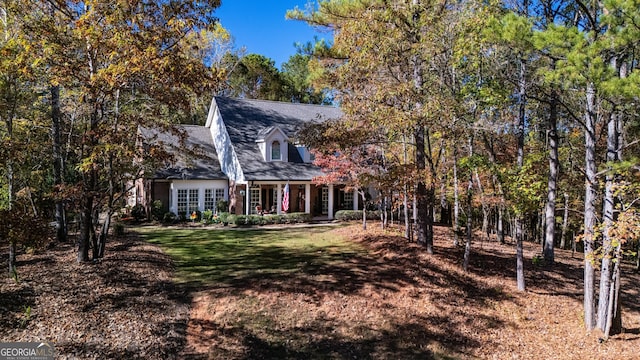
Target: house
246 154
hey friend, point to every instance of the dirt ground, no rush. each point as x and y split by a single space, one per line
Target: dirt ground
395 302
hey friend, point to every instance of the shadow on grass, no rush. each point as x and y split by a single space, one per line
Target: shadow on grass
287 262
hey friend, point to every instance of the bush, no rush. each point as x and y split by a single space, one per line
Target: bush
118 229
156 210
269 219
298 218
350 215
207 216
222 206
224 217
169 218
138 213
273 219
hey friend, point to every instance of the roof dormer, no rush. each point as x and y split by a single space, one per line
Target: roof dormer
273 144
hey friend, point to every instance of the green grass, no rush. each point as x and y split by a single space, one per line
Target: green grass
207 257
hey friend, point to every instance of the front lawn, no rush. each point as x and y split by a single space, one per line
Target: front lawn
345 293
215 257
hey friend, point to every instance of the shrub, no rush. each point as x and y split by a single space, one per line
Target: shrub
224 217
207 216
169 218
298 217
156 210
350 215
222 206
118 229
238 220
138 212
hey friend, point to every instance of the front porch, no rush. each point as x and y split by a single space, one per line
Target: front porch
267 197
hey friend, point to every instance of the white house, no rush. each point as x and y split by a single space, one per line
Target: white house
246 153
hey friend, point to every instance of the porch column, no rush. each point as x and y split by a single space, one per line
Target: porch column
247 194
355 199
173 203
330 204
279 198
307 198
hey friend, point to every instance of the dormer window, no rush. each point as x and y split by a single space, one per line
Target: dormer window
272 143
275 151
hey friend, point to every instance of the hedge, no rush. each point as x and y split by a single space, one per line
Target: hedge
349 215
292 218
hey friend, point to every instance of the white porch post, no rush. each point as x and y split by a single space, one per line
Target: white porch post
355 199
173 203
279 198
247 200
330 205
307 198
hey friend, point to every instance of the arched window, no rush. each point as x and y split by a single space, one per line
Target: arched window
275 150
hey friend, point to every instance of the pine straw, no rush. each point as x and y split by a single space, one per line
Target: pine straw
397 302
124 307
390 301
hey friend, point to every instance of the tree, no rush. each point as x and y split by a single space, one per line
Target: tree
130 64
346 156
255 77
387 64
17 75
297 79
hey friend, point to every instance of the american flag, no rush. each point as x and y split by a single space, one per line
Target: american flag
285 199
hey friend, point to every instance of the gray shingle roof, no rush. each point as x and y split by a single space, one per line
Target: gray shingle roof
200 161
245 120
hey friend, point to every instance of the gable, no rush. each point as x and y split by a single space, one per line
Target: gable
247 121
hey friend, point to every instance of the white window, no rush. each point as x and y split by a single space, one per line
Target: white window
275 150
219 195
348 200
187 201
254 194
182 201
209 199
325 200
193 200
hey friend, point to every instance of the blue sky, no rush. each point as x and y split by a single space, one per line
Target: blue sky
261 27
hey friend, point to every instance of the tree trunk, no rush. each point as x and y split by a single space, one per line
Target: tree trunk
364 210
86 222
405 200
467 247
565 221
445 217
58 164
456 201
405 205
500 224
609 304
485 209
12 257
12 243
522 91
589 207
614 312
606 268
552 183
431 200
10 185
421 188
102 238
87 209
